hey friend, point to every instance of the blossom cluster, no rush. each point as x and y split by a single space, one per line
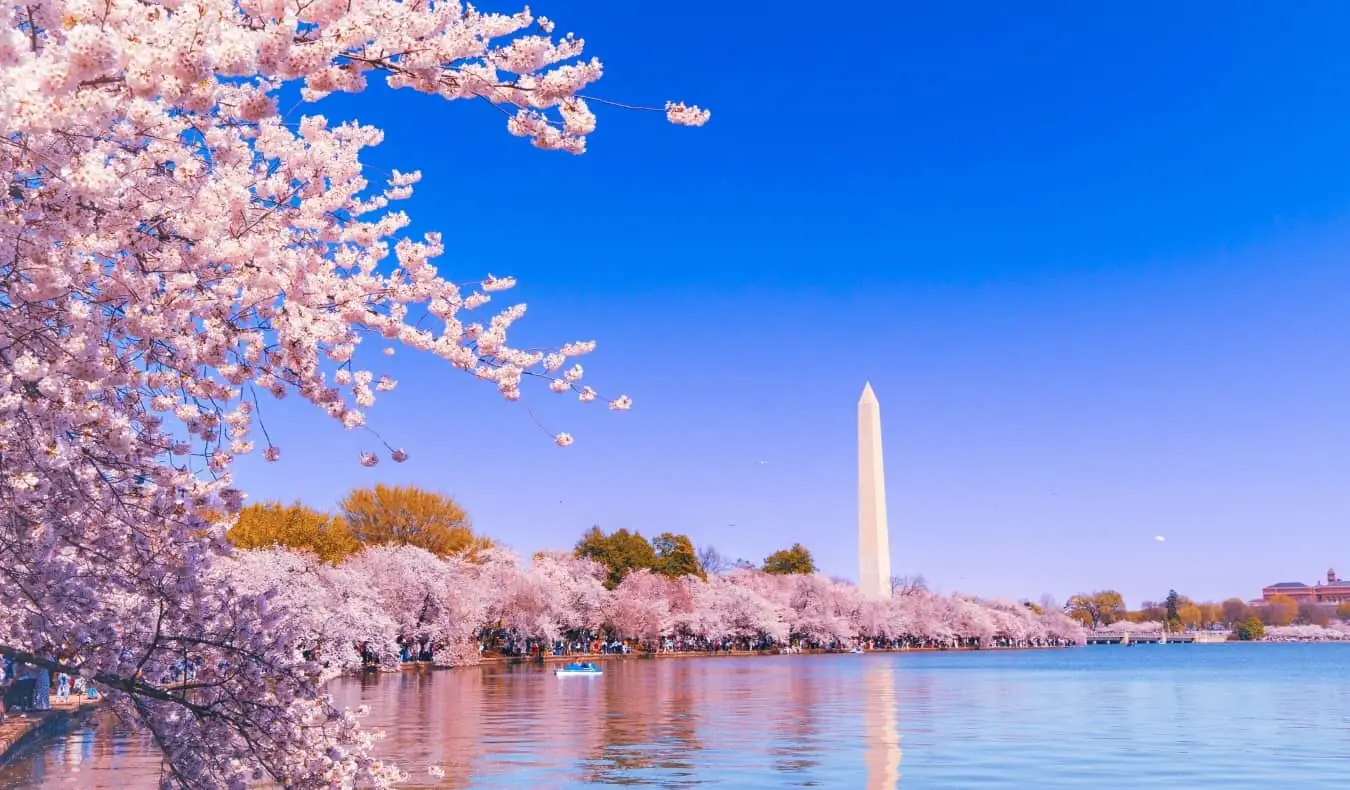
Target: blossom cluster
1333 632
1130 627
173 250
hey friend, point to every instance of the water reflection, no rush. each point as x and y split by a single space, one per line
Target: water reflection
98 752
427 718
1245 718
796 730
670 723
881 725
648 732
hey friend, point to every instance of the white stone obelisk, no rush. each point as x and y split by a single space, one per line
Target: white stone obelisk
874 543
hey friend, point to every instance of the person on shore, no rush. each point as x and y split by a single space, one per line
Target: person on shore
42 690
19 698
63 688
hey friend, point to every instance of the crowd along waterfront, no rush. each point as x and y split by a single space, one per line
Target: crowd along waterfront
1240 716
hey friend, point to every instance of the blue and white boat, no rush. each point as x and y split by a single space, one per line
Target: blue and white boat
579 669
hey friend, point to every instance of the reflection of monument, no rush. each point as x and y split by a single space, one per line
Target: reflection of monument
874 543
881 728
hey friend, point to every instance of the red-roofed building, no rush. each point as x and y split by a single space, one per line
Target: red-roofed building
1334 591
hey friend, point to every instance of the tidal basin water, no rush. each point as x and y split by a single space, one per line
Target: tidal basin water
1152 716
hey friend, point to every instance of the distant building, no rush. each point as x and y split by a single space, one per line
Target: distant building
1334 591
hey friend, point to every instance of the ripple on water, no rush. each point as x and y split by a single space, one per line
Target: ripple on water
1171 717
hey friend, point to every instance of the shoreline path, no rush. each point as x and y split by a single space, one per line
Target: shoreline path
20 730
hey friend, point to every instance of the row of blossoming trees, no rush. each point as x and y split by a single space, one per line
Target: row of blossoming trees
371 605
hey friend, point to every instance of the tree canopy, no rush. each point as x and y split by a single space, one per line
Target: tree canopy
622 552
1250 630
295 527
1281 610
411 516
675 556
1177 612
1235 610
1097 609
790 561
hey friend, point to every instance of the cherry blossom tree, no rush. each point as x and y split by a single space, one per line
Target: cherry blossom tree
639 607
433 601
739 612
821 611
1129 627
174 250
576 587
335 609
530 608
1307 633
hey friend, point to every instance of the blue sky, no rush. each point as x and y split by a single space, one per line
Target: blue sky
1092 261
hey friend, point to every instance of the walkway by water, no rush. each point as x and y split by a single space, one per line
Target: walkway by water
1176 717
18 729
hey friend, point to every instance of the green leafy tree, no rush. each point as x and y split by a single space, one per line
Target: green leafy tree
1250 630
675 556
621 553
790 561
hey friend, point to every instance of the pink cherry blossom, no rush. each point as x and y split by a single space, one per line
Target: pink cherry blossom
176 250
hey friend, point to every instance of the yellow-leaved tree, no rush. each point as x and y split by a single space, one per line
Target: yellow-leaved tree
1097 609
411 516
294 526
1280 610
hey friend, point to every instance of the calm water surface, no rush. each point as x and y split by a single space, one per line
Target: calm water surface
1178 717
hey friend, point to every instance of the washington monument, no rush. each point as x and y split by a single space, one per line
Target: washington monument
874 543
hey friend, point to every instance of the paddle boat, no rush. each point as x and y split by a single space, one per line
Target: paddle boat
579 669
857 651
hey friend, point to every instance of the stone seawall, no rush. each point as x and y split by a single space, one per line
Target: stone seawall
18 731
643 655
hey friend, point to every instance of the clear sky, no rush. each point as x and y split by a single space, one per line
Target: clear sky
1093 262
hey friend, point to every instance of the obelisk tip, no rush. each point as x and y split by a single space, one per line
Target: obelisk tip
867 394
